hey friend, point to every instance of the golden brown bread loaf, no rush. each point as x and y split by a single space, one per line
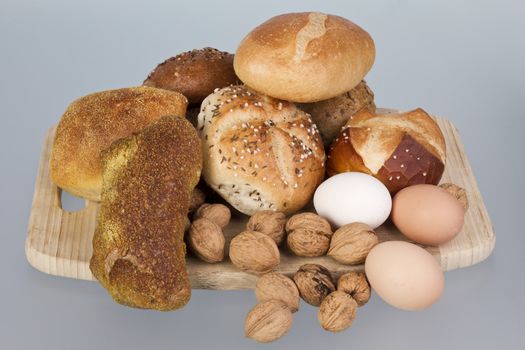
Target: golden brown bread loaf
304 57
259 153
138 248
91 123
399 149
331 115
195 74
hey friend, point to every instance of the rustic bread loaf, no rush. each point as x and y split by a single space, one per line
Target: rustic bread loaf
138 248
304 57
91 123
331 115
399 149
194 73
259 153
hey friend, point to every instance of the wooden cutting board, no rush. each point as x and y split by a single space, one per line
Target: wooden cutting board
59 242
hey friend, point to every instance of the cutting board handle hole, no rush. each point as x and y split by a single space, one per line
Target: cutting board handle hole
70 203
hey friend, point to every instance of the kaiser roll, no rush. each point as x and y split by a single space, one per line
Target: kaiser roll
304 57
331 115
400 149
91 123
195 74
259 153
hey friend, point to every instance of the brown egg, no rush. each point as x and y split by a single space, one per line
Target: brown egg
427 214
404 275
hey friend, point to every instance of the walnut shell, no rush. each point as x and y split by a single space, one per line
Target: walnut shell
356 285
314 283
337 311
218 213
270 223
308 234
254 252
197 199
206 240
268 321
276 286
351 243
458 192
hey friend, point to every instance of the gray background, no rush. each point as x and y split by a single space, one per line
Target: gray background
460 59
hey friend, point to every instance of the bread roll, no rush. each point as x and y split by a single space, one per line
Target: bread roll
138 248
259 153
194 73
91 123
331 115
399 149
304 57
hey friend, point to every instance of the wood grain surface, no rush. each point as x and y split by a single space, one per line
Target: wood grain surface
59 242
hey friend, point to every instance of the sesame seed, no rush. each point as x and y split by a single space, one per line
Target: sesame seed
424 174
398 177
406 150
402 165
395 157
390 178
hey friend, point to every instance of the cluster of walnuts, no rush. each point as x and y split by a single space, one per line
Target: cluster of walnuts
256 250
278 298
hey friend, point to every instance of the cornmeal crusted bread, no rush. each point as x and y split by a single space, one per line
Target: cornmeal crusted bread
138 248
91 123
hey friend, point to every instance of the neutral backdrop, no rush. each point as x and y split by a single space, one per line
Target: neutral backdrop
460 59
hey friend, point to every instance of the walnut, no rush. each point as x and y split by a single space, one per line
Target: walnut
458 192
268 321
218 213
254 252
308 234
276 286
351 243
270 223
206 240
356 285
197 199
314 283
337 311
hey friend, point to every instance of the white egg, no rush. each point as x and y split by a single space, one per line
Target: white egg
353 197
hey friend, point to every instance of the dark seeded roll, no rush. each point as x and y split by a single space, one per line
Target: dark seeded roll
331 115
194 73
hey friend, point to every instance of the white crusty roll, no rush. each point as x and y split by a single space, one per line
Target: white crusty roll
259 153
304 57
